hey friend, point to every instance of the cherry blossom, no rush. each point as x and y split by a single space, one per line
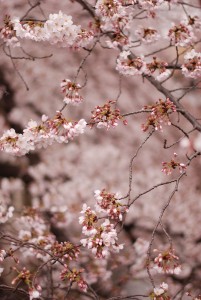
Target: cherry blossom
159 114
108 203
192 64
34 293
41 135
7 33
160 293
113 14
74 275
102 240
36 231
147 35
26 276
71 91
130 66
105 116
181 35
150 4
88 220
167 262
66 250
58 29
168 167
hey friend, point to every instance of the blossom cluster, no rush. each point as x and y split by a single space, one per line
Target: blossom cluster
70 89
160 293
158 69
111 16
114 17
7 33
36 231
74 276
181 35
147 34
109 9
192 64
159 114
27 277
167 262
108 203
168 167
101 239
105 116
36 135
151 6
128 66
65 250
88 220
194 21
58 29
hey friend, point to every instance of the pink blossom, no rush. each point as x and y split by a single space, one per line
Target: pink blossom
147 34
192 64
181 35
128 66
58 29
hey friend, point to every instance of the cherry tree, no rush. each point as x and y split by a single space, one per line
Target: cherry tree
100 149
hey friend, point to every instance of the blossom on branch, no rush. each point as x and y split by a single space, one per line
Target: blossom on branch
168 167
108 203
159 114
7 33
147 34
70 89
65 250
106 117
27 277
115 18
102 239
88 220
167 262
160 293
158 69
58 29
35 231
192 64
74 276
181 35
128 66
41 135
